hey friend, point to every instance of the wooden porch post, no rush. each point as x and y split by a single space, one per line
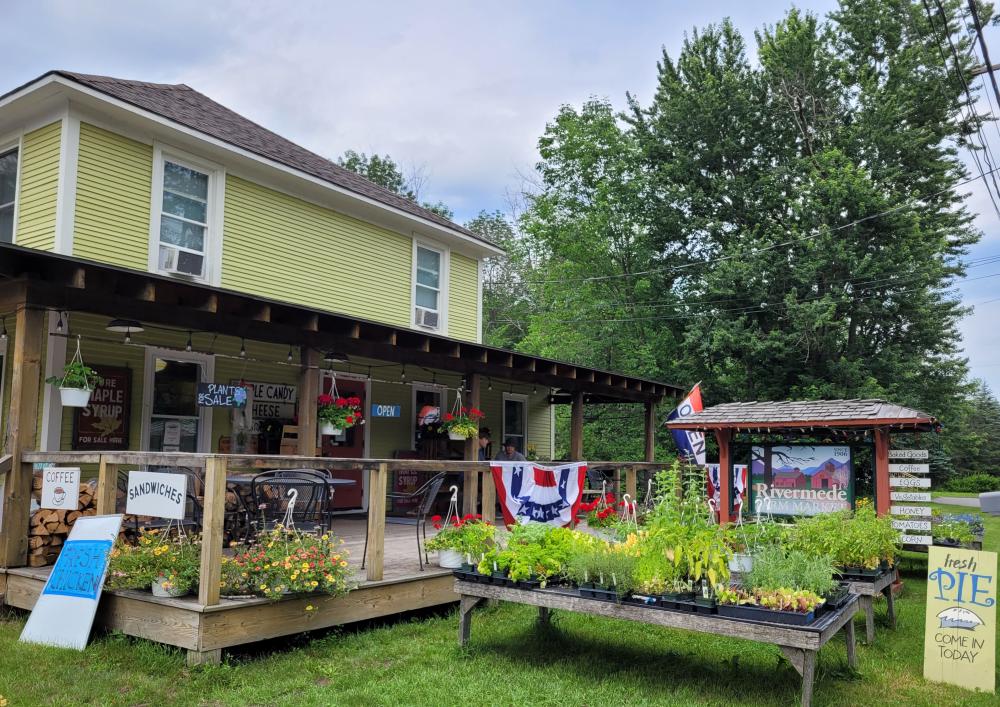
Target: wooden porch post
107 487
470 479
211 531
309 391
724 438
375 561
576 428
22 421
650 454
882 495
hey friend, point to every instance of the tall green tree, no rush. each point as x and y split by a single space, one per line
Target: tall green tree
385 172
792 227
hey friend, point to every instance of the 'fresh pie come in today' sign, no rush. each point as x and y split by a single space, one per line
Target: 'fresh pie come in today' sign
960 627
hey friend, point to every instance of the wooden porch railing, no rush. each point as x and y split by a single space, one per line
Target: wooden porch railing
217 467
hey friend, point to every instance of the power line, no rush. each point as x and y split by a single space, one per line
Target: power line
748 309
749 253
982 43
658 304
964 85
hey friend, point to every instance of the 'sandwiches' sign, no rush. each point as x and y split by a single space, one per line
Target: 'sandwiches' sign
156 494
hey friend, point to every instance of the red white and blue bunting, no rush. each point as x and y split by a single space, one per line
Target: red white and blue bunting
530 493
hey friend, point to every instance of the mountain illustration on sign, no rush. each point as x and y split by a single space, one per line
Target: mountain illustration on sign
957 617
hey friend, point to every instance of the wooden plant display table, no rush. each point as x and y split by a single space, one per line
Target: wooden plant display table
867 591
799 644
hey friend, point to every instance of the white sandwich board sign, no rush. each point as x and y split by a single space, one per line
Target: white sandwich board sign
64 612
156 494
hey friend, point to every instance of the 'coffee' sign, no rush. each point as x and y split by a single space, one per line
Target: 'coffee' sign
220 395
155 494
960 626
61 487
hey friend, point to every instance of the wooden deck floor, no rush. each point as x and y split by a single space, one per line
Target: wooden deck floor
205 630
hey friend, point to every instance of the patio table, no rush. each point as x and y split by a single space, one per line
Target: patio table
799 644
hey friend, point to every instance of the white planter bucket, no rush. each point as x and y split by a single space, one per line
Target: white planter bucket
449 559
455 437
160 591
74 397
741 563
327 428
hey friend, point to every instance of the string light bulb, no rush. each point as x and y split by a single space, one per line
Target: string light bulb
189 345
243 347
402 374
3 329
289 358
128 336
490 386
59 324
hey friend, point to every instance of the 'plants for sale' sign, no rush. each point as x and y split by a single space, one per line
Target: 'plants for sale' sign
960 627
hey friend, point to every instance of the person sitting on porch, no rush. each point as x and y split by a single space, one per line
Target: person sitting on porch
484 444
509 452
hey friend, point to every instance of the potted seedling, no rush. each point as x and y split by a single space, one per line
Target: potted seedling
77 381
463 423
459 538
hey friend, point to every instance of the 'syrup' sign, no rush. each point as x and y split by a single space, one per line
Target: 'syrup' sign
61 487
155 494
64 612
960 627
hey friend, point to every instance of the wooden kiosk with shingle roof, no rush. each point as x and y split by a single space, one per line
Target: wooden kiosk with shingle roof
812 418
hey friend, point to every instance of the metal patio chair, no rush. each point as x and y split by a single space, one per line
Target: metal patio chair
425 496
272 491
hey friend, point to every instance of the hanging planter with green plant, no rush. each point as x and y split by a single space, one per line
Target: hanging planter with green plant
77 381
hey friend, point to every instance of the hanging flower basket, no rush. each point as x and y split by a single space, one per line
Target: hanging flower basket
328 428
337 414
463 422
77 381
74 397
449 559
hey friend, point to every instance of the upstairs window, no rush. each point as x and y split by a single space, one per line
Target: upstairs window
184 220
427 292
8 190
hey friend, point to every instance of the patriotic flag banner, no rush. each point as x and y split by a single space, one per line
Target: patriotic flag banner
530 493
715 486
690 442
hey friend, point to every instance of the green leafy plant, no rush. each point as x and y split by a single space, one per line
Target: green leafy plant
175 559
76 375
954 530
777 568
782 599
464 423
470 536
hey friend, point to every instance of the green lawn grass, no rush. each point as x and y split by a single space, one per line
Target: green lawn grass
954 494
580 660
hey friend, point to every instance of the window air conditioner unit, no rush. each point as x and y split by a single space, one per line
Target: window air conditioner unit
426 317
179 262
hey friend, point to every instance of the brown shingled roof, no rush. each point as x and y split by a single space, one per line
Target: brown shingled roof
184 105
798 413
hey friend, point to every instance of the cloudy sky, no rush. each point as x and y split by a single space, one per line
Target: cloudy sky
461 89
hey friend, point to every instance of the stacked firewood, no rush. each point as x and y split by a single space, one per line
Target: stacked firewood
48 528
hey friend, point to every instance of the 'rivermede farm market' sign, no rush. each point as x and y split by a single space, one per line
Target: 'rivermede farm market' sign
220 395
801 480
64 612
961 627
60 487
155 494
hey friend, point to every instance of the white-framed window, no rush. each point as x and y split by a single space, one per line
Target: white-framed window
185 231
515 420
430 287
8 193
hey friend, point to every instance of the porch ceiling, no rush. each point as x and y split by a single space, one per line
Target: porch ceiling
41 279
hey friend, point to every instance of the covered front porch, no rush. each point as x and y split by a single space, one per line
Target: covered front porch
157 338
